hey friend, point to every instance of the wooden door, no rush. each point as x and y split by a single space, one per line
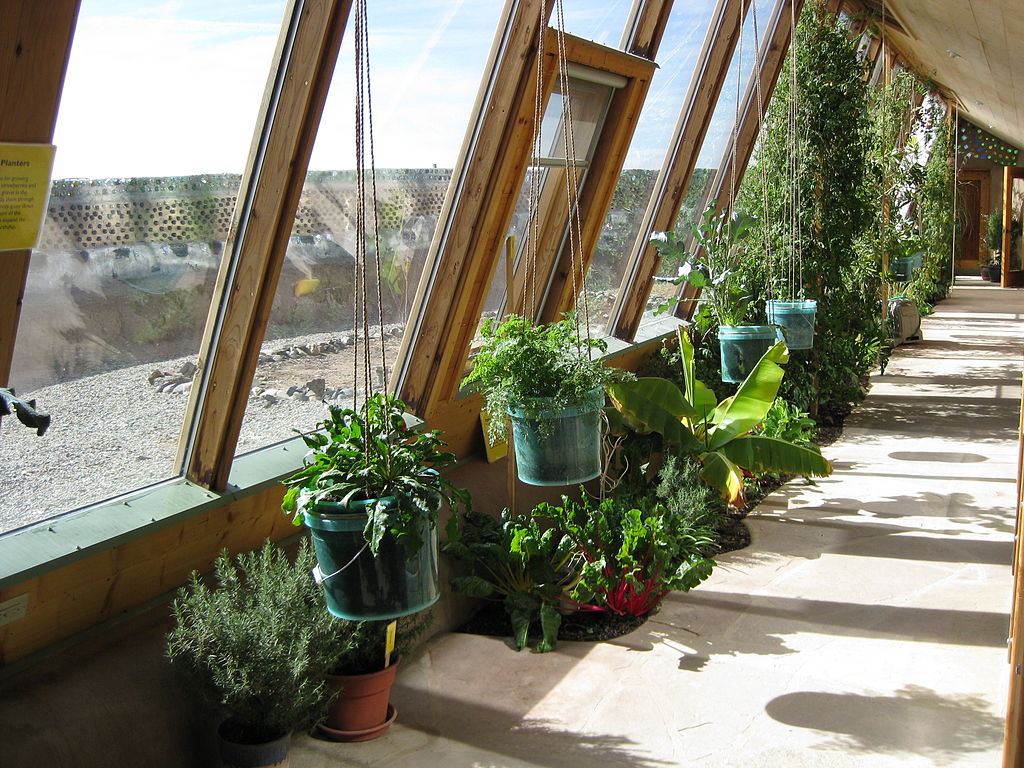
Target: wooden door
973 194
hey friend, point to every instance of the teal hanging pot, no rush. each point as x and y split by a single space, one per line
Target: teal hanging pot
741 347
558 446
903 268
361 586
793 321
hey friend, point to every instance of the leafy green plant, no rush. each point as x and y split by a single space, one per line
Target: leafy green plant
256 646
692 421
633 557
529 569
994 231
716 270
370 454
520 362
680 488
784 421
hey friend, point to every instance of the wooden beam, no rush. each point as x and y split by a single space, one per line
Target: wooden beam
691 128
269 193
468 243
646 28
35 43
773 58
1013 746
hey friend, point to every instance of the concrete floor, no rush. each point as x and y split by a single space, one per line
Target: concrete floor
864 626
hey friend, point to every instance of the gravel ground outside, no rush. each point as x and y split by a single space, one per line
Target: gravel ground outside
115 432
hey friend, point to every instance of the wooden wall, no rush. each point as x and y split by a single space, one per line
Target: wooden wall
103 586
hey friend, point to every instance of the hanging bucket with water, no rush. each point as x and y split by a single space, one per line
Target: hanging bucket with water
742 346
904 267
793 321
558 446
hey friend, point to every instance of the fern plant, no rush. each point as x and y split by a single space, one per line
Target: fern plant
536 368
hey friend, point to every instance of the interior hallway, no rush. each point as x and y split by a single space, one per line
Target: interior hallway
864 626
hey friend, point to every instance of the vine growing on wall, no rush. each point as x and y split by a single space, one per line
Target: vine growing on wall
834 208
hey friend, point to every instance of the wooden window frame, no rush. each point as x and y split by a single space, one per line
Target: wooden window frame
271 185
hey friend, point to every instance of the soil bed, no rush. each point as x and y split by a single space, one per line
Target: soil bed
588 626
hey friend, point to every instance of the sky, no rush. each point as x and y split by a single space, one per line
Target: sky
173 88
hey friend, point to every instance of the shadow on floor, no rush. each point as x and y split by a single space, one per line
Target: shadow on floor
788 615
914 720
536 741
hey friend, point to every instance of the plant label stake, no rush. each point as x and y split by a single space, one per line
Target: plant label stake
389 642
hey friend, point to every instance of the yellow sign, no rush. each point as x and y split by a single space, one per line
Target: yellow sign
389 642
24 190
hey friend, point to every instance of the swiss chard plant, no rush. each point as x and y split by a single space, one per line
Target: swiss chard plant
369 454
718 434
633 557
529 569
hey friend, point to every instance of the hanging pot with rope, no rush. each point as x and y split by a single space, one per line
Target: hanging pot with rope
793 322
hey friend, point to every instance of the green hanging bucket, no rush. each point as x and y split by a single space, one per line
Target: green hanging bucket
904 267
793 321
741 347
558 447
360 586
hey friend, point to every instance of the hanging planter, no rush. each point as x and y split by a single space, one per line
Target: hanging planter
371 502
793 321
558 446
741 347
360 585
904 267
545 378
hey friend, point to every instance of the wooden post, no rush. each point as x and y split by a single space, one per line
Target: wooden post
35 42
268 196
475 217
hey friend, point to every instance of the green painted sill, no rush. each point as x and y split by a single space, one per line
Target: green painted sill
42 547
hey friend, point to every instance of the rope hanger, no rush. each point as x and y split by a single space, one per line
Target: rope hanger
364 155
530 303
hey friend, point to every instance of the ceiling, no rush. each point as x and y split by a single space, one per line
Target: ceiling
974 49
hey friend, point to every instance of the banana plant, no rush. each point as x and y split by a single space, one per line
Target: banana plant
692 421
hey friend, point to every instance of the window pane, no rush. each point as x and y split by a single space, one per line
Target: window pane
723 121
548 177
677 57
155 122
426 65
599 20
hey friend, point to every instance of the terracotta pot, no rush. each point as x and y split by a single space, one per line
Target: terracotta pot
362 710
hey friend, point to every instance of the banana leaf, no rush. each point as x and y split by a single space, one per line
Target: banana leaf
656 405
747 408
769 454
724 476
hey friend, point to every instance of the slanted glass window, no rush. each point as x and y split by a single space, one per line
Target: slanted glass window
677 57
152 134
599 20
711 157
426 64
547 177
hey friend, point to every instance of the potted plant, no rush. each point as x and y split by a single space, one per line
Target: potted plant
548 381
723 295
370 492
255 648
718 435
361 677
